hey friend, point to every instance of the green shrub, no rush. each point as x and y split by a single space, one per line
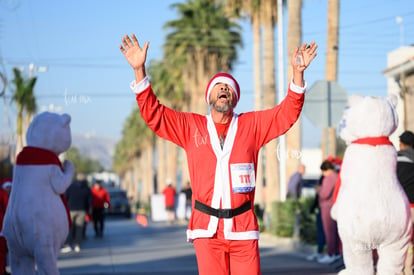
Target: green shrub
283 218
259 215
284 215
308 230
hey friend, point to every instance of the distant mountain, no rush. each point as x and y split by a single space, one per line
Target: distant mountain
97 148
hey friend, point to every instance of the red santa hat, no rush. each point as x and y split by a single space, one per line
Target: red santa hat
226 79
6 182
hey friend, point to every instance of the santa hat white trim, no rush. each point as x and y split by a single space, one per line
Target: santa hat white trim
225 80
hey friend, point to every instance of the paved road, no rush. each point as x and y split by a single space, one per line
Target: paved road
128 248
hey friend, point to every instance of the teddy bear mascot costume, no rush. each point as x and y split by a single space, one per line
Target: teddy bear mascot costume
370 206
36 223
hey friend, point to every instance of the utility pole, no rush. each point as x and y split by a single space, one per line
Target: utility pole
282 139
34 68
399 21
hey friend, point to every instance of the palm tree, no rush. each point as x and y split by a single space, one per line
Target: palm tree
136 136
137 140
26 103
269 19
167 82
166 78
207 40
251 9
264 13
331 73
201 42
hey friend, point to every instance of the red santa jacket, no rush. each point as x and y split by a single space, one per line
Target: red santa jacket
220 178
100 197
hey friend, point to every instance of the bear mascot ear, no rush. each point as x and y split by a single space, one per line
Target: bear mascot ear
393 101
65 120
344 132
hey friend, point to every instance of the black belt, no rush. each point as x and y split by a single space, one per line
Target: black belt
222 213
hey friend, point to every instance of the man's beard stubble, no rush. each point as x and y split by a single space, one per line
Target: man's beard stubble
224 108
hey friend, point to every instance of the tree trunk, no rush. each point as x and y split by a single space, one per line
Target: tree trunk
182 157
271 165
147 173
161 164
331 73
258 99
294 39
172 158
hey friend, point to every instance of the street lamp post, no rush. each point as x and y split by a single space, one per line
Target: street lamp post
35 68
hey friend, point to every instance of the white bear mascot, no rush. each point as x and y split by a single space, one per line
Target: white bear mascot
371 208
36 223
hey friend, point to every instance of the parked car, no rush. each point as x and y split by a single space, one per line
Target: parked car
119 204
309 184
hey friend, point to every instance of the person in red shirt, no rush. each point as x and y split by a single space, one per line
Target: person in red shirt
100 201
169 193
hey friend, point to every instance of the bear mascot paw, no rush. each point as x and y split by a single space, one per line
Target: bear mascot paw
36 223
371 208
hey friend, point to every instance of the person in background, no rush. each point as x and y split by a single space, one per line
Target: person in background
188 193
222 149
295 183
4 200
405 175
325 196
79 198
100 201
169 194
320 235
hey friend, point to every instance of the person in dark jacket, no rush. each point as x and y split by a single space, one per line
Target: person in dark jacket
79 198
295 183
405 174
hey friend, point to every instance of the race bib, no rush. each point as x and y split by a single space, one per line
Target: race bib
242 177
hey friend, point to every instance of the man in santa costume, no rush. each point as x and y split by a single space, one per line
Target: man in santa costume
222 149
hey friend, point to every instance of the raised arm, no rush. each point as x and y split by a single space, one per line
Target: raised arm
135 55
306 53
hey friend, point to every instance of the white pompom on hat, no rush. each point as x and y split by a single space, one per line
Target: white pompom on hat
226 79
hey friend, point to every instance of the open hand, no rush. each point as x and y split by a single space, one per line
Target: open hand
134 54
302 57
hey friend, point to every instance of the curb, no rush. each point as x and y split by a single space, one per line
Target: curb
269 240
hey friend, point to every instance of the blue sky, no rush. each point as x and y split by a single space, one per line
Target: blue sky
88 77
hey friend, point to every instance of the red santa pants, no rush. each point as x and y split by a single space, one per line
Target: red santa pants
224 257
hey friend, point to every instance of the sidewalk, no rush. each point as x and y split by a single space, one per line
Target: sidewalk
269 240
302 250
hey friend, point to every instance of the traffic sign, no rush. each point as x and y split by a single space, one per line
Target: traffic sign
324 103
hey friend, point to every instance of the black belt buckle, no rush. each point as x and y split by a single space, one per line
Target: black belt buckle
225 213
